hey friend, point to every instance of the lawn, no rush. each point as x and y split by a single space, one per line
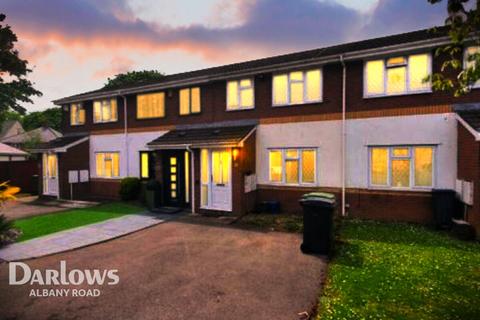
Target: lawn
401 271
273 222
49 223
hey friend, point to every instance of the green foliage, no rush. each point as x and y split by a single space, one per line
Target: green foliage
133 78
130 188
18 89
7 115
462 25
5 224
401 271
51 117
46 224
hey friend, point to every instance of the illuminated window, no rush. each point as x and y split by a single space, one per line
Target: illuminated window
77 114
151 105
221 167
105 110
189 101
292 166
402 167
187 176
146 170
397 75
107 164
204 174
297 87
240 94
468 61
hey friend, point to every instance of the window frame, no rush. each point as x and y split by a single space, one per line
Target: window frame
366 95
411 158
289 82
79 106
190 112
110 103
476 85
119 165
150 93
299 158
151 172
239 94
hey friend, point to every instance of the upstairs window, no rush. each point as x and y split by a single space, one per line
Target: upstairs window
105 110
297 87
397 75
189 101
151 105
468 63
77 114
292 166
240 94
402 167
107 164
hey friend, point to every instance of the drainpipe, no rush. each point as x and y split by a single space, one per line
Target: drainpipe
344 132
125 134
192 170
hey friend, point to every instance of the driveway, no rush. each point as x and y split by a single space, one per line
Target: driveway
181 270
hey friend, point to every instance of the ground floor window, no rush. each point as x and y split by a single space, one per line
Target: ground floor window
292 166
402 166
107 164
147 165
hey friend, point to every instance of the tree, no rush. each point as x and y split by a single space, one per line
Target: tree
51 117
18 89
463 27
133 78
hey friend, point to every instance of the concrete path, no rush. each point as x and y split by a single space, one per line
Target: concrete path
80 237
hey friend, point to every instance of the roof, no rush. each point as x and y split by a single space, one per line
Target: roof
7 126
309 55
11 151
61 143
45 134
469 113
197 137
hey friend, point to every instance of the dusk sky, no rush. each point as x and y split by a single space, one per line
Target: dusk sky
74 45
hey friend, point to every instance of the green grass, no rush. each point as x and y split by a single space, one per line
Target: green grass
276 222
401 271
49 223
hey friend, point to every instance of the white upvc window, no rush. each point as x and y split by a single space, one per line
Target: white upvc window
402 167
292 166
105 110
397 75
469 51
77 114
297 87
190 101
107 164
240 94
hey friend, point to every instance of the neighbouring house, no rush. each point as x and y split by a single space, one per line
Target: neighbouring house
354 119
26 139
11 128
8 153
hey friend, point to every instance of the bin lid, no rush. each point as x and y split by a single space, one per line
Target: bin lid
323 195
317 201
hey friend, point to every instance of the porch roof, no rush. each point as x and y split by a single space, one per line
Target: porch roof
468 114
60 144
226 136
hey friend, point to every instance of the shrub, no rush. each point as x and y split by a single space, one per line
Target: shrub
130 188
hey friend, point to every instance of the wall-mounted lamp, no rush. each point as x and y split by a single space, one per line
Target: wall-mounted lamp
235 153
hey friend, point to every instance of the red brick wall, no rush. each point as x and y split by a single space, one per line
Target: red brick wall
105 189
468 161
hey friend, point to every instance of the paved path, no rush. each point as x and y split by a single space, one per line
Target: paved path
80 237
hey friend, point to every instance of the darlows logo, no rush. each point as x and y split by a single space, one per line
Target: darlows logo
21 274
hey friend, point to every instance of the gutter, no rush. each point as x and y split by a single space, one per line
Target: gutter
344 131
354 55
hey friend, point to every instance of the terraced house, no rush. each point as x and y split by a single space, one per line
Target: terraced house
355 119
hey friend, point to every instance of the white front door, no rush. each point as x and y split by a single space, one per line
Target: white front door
50 174
216 172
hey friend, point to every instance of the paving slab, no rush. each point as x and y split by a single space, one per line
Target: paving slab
80 237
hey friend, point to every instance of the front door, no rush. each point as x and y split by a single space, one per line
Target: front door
50 174
221 186
174 178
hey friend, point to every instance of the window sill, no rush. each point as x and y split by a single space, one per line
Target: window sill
280 184
396 94
77 125
410 189
190 114
103 122
296 104
149 118
240 109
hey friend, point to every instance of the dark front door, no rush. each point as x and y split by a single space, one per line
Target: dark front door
174 178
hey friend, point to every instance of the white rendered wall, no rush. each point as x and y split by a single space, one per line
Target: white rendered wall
116 143
437 129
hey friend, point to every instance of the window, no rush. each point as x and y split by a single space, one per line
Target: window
105 110
397 75
146 165
77 114
469 63
297 87
189 101
292 166
240 94
204 177
107 164
402 167
151 105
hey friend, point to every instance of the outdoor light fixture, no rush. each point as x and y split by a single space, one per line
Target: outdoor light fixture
235 154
